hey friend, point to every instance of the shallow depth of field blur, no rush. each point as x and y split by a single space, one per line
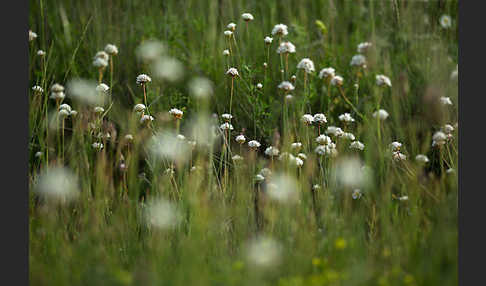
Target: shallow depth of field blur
139 175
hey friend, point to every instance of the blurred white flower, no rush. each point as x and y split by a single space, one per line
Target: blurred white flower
307 119
139 107
286 86
226 126
37 89
326 73
102 88
143 79
150 50
395 146
268 40
129 137
200 87
346 117
233 72
32 36
363 47
111 49
259 177
231 26
98 110
84 91
337 80
357 194
447 129
348 135
240 139
307 65
286 48
357 145
226 117
65 106
162 214
350 173
296 146
271 151
102 55
421 158
358 61
263 252
450 171
335 131
167 145
280 30
41 53
302 156
382 80
97 146
439 138
397 156
445 100
58 183
237 158
146 118
100 63
283 188
403 198
445 21
168 68
38 154
247 17
64 113
254 144
228 33
226 52
259 85
326 150
381 114
323 140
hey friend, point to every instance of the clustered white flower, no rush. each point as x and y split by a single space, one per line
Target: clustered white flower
102 87
240 139
445 100
363 47
37 89
253 144
280 30
307 119
176 113
143 79
286 48
286 86
111 49
231 26
382 80
323 140
319 118
445 21
32 36
421 158
381 114
41 53
395 148
247 17
357 145
307 65
233 72
271 151
226 126
57 92
346 117
335 131
439 138
226 117
268 40
327 73
139 107
228 33
337 80
358 61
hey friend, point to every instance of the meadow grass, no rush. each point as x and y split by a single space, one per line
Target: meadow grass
157 211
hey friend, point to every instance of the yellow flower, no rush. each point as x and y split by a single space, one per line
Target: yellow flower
340 243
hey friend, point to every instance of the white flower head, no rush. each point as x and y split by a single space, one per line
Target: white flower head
307 119
445 100
253 144
98 110
85 91
268 40
382 80
439 138
348 135
286 86
335 131
349 172
357 145
143 79
64 113
226 126
307 65
200 87
289 97
326 73
421 158
286 48
32 36
176 113
271 151
37 89
337 80
167 145
381 114
326 150
41 53
97 146
226 52
139 107
146 118
228 33
65 106
240 139
283 188
102 88
302 156
445 21
395 146
397 156
247 17
357 194
263 252
280 30
363 47
226 117
100 63
296 146
102 55
323 140
129 137
231 26
259 86
346 117
112 50
233 72
358 61
447 129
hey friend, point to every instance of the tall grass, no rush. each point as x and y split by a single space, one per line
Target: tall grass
322 236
